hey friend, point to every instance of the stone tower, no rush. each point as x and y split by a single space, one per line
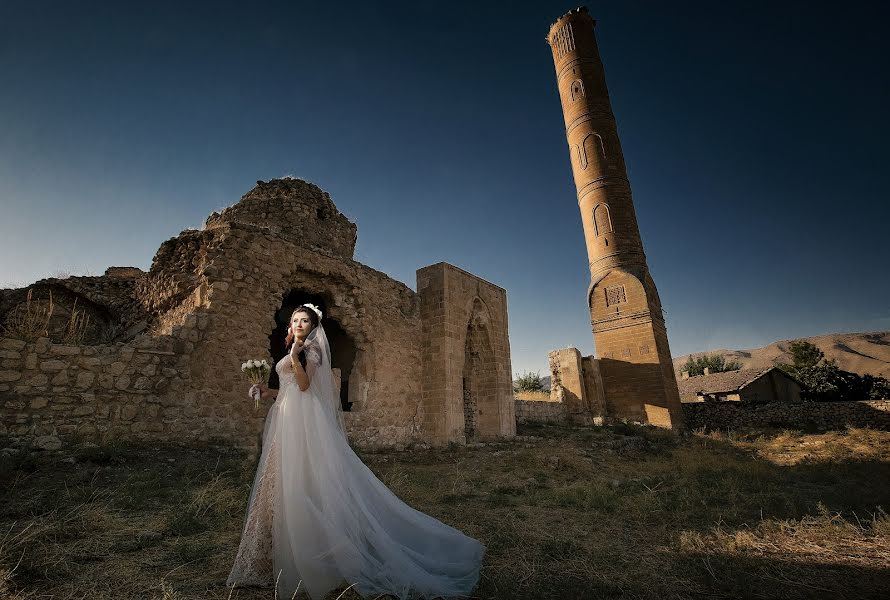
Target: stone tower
638 381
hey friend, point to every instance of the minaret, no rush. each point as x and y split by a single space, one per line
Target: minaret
625 311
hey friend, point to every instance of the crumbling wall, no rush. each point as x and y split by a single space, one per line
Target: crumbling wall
295 210
52 394
213 299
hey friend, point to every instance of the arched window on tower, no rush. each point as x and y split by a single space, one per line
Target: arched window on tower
577 89
593 152
602 220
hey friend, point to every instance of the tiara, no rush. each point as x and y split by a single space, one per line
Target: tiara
314 308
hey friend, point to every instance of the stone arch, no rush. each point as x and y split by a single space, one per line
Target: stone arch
343 347
652 291
621 290
602 219
577 89
479 374
593 152
99 327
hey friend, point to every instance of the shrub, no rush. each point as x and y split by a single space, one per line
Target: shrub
528 382
717 364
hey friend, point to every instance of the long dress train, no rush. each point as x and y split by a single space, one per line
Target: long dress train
318 517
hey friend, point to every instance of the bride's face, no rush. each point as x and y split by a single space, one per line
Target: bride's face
300 325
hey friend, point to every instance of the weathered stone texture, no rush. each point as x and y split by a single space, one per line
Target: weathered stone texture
215 298
294 210
465 356
69 405
798 415
633 379
567 385
540 410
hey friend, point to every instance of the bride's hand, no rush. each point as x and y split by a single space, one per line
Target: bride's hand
263 390
295 349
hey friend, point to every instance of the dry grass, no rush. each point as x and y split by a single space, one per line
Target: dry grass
30 320
76 327
621 512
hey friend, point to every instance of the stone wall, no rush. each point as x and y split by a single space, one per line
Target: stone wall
137 391
540 410
467 377
799 415
307 217
576 380
593 387
568 385
251 281
217 297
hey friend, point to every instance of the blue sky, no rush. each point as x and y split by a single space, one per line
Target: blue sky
755 136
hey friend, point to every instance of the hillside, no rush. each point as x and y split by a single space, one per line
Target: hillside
862 353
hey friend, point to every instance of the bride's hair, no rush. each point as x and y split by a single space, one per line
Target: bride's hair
313 318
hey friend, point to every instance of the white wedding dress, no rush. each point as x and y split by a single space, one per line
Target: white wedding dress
318 517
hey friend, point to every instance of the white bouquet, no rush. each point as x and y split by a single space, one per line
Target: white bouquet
257 372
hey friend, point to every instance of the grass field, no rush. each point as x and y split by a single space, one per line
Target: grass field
611 512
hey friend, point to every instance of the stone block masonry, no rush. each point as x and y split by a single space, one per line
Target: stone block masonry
632 378
792 415
216 297
541 411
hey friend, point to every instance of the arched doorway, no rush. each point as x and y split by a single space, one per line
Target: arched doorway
479 377
342 346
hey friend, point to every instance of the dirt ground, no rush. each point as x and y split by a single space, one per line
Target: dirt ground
565 512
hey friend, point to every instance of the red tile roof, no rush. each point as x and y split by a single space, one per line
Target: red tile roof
721 383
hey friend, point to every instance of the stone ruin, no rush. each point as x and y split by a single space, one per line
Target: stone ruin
158 354
632 379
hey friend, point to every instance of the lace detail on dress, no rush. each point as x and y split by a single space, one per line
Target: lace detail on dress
313 359
253 563
285 374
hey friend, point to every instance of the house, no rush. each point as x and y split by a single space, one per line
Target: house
767 384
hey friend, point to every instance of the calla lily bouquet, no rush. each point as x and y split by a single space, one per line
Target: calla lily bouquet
257 372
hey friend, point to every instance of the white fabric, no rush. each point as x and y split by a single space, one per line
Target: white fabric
318 517
318 352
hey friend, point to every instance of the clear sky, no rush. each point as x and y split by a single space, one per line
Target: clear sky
755 133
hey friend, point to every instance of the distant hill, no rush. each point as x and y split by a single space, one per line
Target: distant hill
856 352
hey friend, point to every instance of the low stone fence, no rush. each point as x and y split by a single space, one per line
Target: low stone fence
540 410
798 415
52 394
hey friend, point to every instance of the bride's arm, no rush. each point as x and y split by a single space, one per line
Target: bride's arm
301 376
300 373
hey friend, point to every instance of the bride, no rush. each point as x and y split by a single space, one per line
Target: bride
317 517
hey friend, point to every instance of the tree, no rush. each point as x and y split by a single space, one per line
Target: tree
805 354
823 381
878 387
714 362
529 382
